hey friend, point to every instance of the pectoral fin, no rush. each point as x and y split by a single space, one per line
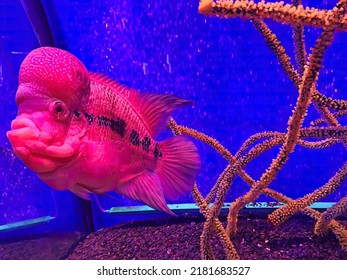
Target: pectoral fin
81 191
104 153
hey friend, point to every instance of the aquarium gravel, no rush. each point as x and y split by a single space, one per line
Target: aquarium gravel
178 239
45 246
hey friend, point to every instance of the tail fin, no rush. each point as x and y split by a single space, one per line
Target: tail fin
178 168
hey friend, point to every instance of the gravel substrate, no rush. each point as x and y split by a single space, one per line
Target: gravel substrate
178 239
50 246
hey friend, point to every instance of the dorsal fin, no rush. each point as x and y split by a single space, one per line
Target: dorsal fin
126 92
155 109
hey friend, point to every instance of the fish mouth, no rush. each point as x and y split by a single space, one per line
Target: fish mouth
34 147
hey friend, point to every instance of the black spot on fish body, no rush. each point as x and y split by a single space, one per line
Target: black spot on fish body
99 121
77 114
89 117
146 143
135 138
118 126
104 121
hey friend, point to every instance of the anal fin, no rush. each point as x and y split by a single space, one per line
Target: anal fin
146 188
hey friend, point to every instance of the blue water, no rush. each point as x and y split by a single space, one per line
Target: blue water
224 66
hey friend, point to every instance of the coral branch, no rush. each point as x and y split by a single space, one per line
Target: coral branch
322 102
338 230
300 57
201 137
298 17
229 248
294 124
339 132
295 121
340 233
282 214
337 209
278 11
329 132
335 104
276 46
206 250
336 115
229 175
299 43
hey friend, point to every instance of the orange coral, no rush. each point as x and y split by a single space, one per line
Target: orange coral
309 68
278 11
305 81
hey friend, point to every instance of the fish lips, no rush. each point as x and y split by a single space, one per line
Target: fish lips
30 145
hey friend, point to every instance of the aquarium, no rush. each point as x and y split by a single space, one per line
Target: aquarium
173 129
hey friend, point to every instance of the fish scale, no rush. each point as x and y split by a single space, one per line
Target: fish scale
106 103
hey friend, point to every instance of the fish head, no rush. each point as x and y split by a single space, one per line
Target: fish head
52 85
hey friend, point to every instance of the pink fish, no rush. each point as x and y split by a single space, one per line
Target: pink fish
87 133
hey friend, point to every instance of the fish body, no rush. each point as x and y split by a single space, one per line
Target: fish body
85 132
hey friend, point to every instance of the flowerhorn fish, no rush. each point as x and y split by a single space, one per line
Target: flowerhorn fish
87 133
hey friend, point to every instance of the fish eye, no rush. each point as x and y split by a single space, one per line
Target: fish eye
58 109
